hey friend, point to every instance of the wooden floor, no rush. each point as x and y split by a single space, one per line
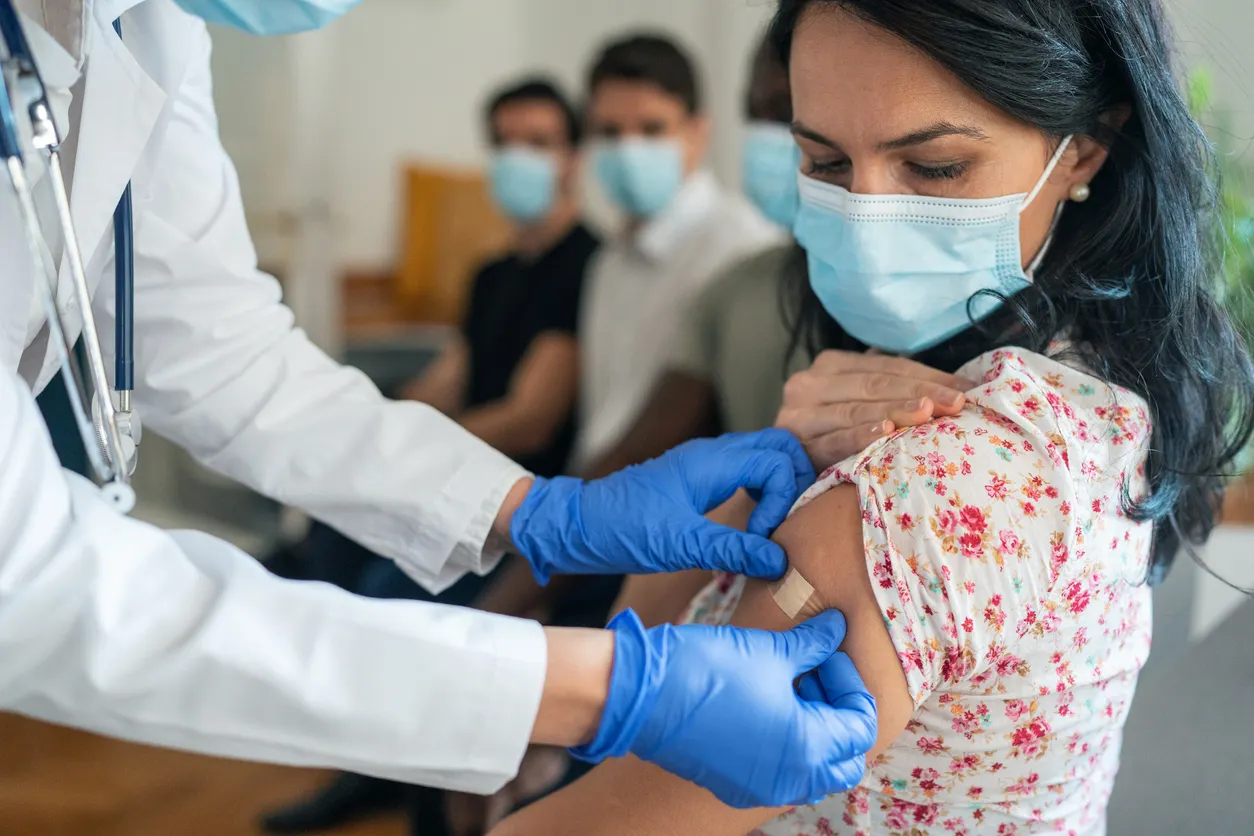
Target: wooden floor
56 782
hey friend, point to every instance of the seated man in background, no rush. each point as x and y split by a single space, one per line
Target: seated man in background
726 363
511 376
681 230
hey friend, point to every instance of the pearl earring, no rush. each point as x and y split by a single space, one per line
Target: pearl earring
1080 192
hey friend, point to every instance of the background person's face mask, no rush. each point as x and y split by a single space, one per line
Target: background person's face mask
771 162
523 183
641 176
901 272
269 17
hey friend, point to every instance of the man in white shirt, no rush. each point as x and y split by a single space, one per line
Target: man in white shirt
682 228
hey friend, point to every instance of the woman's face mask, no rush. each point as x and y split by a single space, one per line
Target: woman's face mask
904 273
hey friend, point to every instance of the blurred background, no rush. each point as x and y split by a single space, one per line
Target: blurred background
360 151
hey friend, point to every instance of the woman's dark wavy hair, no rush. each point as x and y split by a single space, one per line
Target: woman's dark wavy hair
1132 272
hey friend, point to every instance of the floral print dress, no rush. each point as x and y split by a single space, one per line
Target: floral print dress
1012 586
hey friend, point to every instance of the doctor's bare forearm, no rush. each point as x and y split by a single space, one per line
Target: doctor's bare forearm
500 535
576 685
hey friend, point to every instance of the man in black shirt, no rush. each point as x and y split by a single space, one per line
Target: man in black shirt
511 377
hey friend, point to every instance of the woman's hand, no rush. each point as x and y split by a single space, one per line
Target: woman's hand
846 400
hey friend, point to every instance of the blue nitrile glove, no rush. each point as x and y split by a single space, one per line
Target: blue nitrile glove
717 706
648 518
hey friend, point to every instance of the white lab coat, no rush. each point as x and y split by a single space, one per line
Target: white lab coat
176 638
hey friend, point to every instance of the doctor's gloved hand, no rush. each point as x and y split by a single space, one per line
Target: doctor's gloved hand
648 518
717 706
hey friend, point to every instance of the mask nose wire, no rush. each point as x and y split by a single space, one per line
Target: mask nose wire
1049 169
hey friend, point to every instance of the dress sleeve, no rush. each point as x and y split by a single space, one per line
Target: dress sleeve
966 524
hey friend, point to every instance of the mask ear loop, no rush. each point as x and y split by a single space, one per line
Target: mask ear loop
1044 178
1027 201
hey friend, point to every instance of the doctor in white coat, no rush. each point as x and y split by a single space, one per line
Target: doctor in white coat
177 639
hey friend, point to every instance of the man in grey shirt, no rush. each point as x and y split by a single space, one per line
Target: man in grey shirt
726 371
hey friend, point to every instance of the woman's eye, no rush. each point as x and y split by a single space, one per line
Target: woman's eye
821 167
952 171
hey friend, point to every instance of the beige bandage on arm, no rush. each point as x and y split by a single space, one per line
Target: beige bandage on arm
792 592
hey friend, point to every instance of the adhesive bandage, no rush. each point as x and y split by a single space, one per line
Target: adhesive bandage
791 592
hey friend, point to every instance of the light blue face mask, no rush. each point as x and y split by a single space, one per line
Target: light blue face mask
269 17
771 161
523 182
641 176
901 273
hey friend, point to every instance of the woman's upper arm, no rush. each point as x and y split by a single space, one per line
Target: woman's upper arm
824 543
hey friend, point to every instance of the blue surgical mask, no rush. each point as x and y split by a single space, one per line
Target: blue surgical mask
641 176
903 273
524 183
771 161
269 17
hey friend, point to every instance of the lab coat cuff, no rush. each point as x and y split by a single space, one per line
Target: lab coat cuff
471 499
478 550
507 716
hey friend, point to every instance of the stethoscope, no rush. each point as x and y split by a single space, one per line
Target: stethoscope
111 434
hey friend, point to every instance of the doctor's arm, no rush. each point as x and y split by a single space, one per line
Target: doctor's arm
180 640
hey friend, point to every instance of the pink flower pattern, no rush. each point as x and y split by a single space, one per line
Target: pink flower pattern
1010 579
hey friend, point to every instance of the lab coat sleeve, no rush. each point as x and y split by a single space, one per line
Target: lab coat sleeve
180 640
222 371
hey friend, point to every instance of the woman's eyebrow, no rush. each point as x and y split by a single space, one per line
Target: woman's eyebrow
918 137
799 129
930 133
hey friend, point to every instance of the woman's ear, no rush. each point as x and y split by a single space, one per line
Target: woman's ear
1090 154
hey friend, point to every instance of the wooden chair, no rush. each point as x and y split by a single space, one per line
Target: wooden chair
449 227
